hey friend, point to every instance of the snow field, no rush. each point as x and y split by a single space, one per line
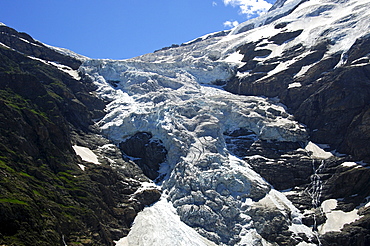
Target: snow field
160 225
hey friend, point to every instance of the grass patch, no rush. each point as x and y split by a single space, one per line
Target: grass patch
36 192
25 175
13 201
19 103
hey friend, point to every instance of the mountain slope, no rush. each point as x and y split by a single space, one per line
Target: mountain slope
316 62
45 197
255 136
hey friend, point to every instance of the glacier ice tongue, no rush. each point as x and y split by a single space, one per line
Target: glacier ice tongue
171 95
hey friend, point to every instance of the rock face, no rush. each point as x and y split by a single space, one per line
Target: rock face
326 89
150 152
46 199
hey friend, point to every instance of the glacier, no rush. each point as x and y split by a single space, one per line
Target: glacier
209 194
177 103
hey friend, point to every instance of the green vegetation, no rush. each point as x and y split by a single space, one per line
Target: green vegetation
6 167
35 192
19 103
14 201
25 175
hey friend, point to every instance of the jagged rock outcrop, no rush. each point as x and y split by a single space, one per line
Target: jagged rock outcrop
326 90
307 181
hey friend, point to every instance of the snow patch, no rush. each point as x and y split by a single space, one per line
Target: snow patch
306 244
68 70
146 186
317 152
294 85
82 167
73 73
336 219
328 205
86 154
367 203
350 164
5 46
234 58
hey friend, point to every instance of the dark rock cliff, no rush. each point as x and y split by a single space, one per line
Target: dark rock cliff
25 44
45 197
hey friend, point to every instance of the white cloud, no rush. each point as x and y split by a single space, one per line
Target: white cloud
250 7
231 24
214 4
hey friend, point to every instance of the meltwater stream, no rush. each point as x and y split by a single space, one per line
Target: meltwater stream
314 191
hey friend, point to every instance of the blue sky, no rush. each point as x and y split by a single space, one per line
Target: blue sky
120 29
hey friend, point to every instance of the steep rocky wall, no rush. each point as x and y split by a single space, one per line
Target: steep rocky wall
45 197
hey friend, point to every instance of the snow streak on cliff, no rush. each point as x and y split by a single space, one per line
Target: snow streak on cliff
175 95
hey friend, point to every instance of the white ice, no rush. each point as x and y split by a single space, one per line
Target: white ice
176 103
66 69
82 167
350 164
5 46
294 85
